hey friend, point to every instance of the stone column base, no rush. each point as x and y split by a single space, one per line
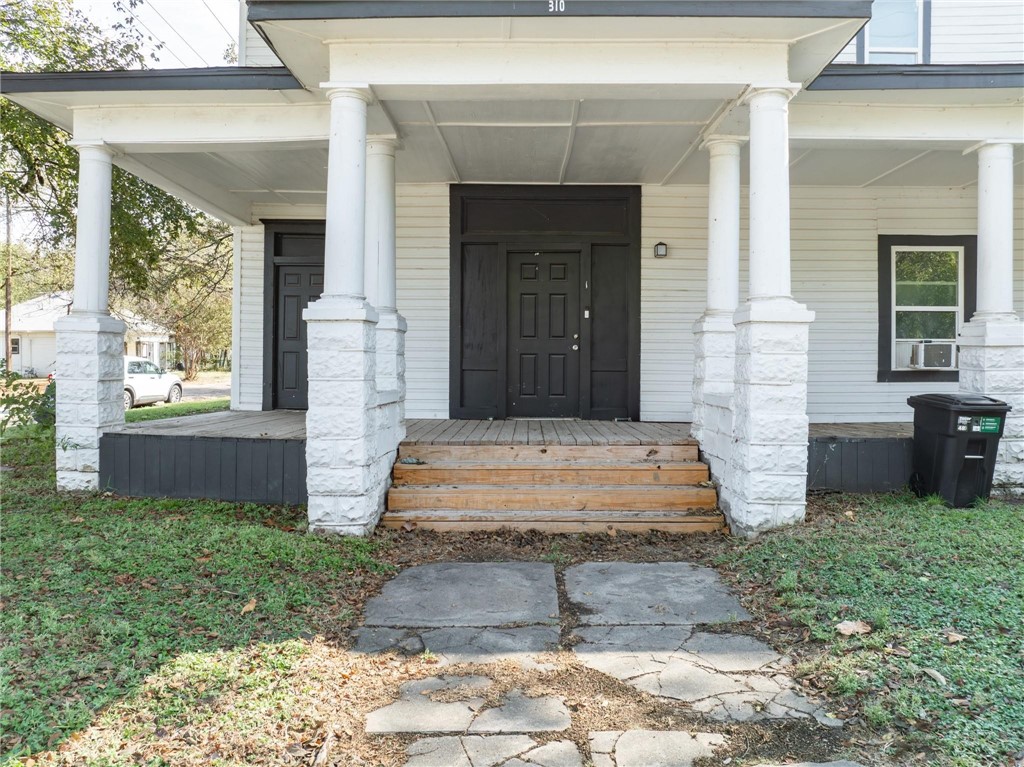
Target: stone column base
391 329
766 482
992 363
347 464
90 394
714 368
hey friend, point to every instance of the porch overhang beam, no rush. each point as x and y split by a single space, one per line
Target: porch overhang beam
517 64
175 128
890 122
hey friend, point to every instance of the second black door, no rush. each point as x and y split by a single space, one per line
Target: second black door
544 334
296 287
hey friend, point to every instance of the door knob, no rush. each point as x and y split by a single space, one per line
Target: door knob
575 347
575 336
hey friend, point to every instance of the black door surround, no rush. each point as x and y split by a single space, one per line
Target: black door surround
488 224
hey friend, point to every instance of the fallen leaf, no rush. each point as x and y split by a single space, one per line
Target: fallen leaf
849 628
77 519
249 606
935 676
952 637
612 532
408 527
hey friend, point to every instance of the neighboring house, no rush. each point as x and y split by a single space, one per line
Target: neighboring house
660 210
34 341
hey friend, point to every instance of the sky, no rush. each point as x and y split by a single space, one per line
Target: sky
195 33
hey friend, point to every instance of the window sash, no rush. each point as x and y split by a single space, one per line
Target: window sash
917 51
958 310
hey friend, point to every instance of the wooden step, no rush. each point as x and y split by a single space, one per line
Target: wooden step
563 473
464 520
566 498
549 453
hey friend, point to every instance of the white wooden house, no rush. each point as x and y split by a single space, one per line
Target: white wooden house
34 341
761 217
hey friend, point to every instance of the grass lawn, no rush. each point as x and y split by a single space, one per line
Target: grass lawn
943 592
164 410
165 632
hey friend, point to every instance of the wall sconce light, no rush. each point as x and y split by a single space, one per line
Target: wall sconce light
660 250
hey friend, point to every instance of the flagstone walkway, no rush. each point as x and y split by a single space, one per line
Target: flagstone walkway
663 628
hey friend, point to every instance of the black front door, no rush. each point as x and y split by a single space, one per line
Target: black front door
296 287
544 334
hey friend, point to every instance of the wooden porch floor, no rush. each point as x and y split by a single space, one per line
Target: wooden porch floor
545 432
291 424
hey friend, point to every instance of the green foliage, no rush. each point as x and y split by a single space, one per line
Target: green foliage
164 410
103 594
40 170
23 402
915 571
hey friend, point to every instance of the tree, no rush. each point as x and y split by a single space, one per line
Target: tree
39 169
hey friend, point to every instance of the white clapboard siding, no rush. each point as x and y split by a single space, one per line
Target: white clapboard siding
977 31
848 55
254 51
422 276
247 320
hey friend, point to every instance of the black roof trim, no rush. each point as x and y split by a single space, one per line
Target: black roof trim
881 77
296 10
199 79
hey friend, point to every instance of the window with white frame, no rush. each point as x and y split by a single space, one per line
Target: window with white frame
15 345
895 33
927 306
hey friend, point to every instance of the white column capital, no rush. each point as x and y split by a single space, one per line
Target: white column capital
763 96
382 145
94 148
359 91
992 148
723 144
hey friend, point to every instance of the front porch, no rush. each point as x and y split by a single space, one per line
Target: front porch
260 456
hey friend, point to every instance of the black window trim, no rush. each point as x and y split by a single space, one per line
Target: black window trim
886 242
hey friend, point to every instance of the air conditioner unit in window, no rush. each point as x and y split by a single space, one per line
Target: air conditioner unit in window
933 356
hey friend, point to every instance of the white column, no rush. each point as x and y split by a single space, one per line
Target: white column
90 343
714 333
767 476
992 344
381 286
347 462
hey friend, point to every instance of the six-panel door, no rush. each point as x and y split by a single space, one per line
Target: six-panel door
544 334
296 287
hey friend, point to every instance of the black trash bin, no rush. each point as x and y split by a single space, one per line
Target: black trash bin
955 441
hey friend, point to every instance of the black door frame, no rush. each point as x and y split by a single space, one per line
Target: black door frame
271 260
457 240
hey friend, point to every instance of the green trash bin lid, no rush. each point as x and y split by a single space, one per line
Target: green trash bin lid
972 402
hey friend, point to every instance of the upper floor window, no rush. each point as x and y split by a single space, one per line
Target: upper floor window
894 34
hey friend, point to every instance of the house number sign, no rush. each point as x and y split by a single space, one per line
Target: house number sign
556 6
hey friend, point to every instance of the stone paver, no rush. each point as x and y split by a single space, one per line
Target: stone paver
463 644
492 751
467 594
651 748
418 710
660 593
729 677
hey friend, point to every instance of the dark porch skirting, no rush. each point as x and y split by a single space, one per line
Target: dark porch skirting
860 457
243 457
260 457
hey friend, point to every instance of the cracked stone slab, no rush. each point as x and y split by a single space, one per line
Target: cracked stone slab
463 644
467 594
728 677
416 711
651 748
518 713
492 751
660 593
